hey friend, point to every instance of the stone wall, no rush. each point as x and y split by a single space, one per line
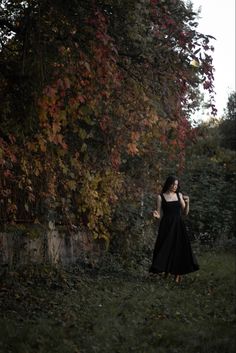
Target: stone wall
23 245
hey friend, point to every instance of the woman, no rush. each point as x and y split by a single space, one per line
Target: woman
172 253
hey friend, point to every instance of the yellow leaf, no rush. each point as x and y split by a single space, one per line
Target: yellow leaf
72 184
194 63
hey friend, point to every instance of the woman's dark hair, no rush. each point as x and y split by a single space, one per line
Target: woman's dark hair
170 181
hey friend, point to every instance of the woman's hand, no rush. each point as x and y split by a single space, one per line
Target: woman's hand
156 214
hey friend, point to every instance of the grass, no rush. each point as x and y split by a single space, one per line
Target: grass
109 309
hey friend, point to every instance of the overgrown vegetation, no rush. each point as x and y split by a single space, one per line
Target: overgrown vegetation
209 177
86 87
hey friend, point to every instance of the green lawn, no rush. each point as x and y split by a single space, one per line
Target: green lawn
111 310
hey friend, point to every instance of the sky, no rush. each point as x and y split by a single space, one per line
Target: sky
217 18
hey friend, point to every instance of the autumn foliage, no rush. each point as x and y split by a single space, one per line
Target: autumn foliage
87 86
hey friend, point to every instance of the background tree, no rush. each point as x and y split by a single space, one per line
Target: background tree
228 125
209 178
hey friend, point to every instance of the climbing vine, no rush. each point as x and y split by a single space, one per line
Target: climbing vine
91 85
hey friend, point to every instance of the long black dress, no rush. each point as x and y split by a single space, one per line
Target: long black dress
173 253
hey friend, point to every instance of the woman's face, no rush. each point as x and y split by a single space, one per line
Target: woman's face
174 186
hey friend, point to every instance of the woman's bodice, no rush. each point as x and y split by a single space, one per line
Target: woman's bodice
170 208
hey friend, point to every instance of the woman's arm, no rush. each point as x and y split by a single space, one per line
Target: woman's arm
184 201
157 212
